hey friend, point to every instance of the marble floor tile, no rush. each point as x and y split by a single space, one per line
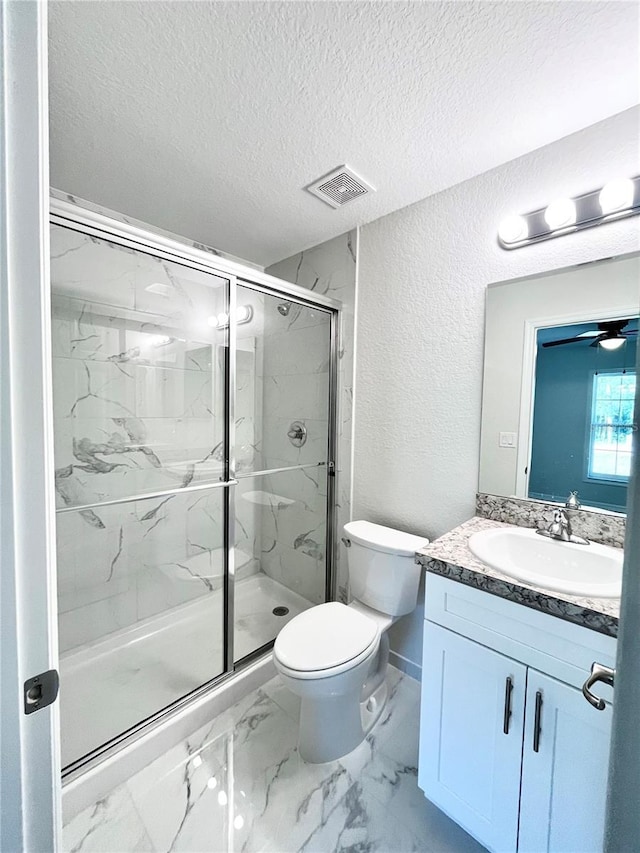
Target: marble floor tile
111 824
238 784
359 825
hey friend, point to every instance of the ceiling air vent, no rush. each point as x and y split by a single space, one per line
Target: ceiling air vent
340 187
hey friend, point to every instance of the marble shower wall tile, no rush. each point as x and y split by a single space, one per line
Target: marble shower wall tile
605 527
330 269
122 563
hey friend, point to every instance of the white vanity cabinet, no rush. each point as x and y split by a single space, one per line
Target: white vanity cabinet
564 783
509 746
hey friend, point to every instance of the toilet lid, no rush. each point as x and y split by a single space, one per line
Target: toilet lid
323 637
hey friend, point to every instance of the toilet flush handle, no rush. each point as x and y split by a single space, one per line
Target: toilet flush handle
346 542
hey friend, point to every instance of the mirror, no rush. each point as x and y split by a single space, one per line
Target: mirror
557 417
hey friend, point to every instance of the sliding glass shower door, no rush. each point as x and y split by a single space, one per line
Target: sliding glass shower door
193 421
283 361
140 418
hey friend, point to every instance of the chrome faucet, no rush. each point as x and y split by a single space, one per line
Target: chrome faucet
560 529
572 502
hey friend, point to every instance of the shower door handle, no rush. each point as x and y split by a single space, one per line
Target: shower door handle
41 691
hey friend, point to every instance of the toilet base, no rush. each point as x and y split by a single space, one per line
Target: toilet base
335 724
320 740
371 710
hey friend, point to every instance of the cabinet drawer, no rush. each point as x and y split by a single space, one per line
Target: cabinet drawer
547 643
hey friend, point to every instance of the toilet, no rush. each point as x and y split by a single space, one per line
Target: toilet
334 656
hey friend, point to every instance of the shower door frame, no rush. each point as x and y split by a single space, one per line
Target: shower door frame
160 244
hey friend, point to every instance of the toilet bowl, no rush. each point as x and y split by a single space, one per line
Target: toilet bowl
334 656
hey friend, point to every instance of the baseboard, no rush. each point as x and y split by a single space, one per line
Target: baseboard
407 666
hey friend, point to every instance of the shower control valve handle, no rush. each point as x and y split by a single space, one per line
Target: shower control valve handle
297 433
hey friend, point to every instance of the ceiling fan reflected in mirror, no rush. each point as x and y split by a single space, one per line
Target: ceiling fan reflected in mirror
609 335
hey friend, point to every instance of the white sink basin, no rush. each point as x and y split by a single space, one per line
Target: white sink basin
590 570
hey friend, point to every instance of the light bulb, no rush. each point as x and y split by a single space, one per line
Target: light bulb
161 340
197 761
512 229
616 195
612 343
244 313
223 320
212 782
222 798
238 821
560 213
213 322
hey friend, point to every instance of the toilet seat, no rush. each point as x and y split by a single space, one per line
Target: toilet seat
325 641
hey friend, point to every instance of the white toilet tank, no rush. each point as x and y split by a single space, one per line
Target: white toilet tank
383 573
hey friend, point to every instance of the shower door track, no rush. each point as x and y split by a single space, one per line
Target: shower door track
139 238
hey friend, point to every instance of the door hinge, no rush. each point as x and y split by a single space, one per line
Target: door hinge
40 691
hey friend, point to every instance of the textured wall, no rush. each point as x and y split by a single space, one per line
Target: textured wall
330 268
422 277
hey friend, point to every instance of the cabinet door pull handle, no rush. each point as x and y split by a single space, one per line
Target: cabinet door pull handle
508 690
537 722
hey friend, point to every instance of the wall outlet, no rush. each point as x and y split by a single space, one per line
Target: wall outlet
508 439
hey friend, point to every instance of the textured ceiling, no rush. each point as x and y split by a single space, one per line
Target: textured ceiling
209 118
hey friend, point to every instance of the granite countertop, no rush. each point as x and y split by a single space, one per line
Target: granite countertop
450 557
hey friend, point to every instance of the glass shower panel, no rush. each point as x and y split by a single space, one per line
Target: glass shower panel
139 415
283 362
280 554
283 357
140 611
138 371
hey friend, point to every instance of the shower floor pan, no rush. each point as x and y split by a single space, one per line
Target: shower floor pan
111 685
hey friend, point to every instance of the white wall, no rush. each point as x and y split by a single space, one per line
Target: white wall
422 278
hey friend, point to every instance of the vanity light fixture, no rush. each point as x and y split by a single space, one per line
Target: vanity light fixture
616 195
618 199
560 214
513 229
222 320
244 313
161 340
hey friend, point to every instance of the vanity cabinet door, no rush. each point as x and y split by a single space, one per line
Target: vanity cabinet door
564 782
469 765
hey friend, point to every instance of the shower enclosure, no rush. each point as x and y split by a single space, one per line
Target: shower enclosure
194 420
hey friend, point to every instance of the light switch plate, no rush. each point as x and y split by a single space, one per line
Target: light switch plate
507 439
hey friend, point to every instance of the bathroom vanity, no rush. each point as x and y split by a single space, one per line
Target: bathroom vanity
509 746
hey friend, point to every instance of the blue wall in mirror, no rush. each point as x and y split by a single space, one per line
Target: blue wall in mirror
562 415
